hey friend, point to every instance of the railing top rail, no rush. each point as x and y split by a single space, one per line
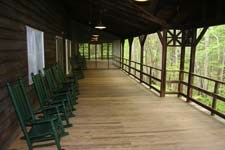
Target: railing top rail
207 78
196 75
153 68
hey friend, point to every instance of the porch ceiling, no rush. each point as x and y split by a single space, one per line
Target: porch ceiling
125 18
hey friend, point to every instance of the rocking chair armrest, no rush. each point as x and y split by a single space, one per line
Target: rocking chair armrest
58 94
69 76
43 121
68 81
47 108
59 91
59 102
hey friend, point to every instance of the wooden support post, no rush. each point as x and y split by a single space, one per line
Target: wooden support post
192 60
122 52
163 39
191 71
83 49
108 54
182 62
102 51
142 43
96 65
89 51
64 53
130 53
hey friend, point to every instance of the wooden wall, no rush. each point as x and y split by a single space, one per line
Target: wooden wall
46 15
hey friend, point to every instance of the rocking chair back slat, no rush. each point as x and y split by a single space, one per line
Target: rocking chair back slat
50 79
40 89
58 76
23 108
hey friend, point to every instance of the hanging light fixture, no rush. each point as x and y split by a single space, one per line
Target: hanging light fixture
100 26
95 35
141 0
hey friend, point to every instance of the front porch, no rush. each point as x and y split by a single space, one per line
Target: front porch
116 112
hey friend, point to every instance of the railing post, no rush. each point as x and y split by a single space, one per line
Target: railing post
216 88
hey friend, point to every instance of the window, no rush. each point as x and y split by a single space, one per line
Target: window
59 51
68 53
81 49
105 51
86 50
92 51
99 51
35 51
110 49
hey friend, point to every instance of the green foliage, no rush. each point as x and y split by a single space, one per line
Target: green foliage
136 50
204 99
126 49
152 51
220 106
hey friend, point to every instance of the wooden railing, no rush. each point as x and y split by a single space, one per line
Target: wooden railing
215 94
151 77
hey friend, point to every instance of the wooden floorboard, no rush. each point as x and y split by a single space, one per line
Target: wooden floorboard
117 113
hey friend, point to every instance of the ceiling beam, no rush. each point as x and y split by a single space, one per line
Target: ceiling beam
149 16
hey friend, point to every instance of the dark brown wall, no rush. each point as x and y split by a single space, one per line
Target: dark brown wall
45 15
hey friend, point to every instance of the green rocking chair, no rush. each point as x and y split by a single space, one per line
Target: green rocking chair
63 101
41 129
59 88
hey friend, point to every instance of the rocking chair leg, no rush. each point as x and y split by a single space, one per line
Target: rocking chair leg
57 141
29 144
66 117
64 133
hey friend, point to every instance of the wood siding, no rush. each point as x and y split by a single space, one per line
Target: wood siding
47 16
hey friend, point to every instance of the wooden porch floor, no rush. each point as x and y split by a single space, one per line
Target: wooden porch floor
116 113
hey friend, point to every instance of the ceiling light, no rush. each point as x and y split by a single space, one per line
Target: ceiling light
95 35
100 26
141 0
